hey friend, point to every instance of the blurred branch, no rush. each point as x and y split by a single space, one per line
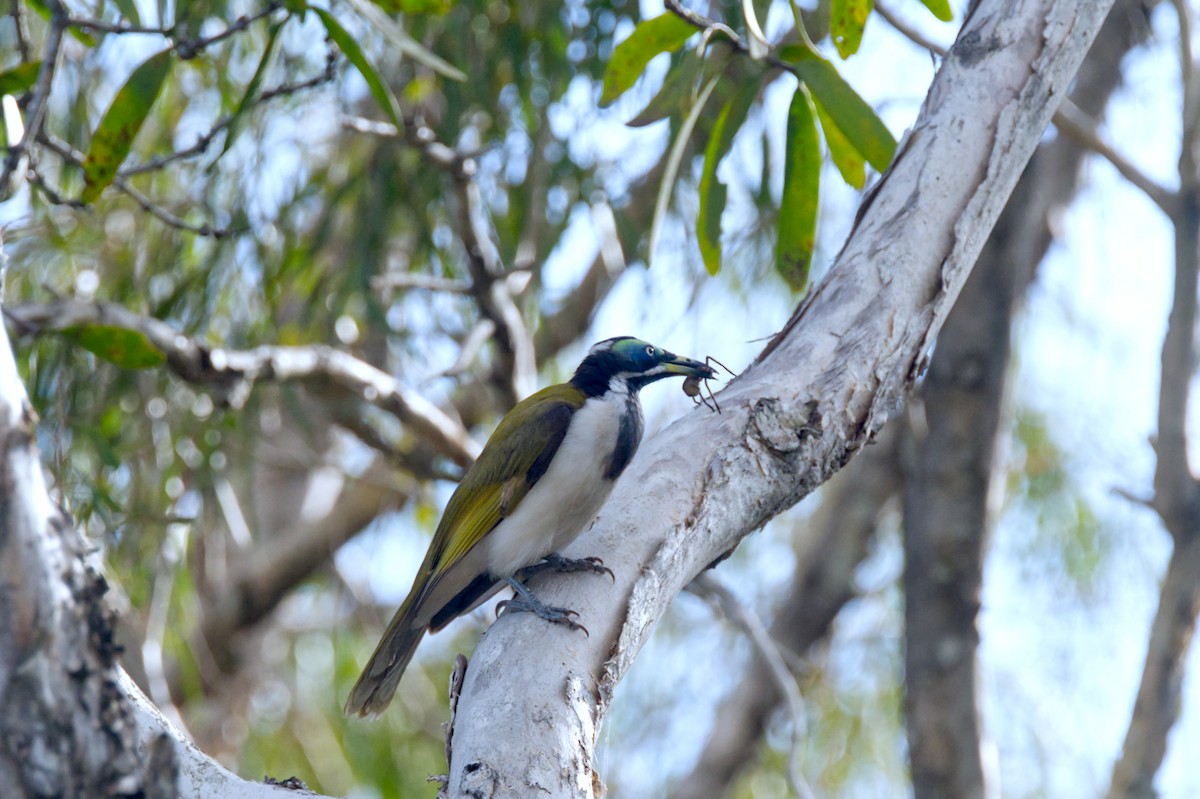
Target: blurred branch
262 577
35 118
1074 123
206 139
831 545
516 367
232 373
1071 120
76 158
1176 491
707 586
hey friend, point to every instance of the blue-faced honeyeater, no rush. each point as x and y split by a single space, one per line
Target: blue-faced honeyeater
542 476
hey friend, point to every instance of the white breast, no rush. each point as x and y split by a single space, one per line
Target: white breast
563 502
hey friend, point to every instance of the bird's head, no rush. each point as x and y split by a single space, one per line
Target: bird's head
627 363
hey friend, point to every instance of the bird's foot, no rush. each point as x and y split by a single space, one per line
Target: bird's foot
526 602
556 562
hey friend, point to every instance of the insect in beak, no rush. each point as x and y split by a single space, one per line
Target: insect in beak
691 386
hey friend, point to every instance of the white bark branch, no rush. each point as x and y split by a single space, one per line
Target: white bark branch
235 371
535 696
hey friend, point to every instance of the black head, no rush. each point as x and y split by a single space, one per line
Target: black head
633 362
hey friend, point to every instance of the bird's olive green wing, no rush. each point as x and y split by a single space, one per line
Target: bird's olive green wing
514 459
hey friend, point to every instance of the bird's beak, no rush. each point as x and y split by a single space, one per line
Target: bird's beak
678 365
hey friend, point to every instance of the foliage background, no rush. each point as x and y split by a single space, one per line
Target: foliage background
195 493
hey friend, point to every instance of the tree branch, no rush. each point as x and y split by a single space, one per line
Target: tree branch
232 373
820 390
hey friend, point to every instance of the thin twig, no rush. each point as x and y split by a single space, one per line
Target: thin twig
707 585
190 48
1074 123
76 158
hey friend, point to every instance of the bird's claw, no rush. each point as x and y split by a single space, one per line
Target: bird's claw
558 563
550 613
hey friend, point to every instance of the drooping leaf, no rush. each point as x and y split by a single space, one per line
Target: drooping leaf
801 185
847 18
20 78
114 136
345 42
940 9
674 158
845 156
405 45
662 34
712 191
251 93
129 349
857 121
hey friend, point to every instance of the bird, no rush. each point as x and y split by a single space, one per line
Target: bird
542 476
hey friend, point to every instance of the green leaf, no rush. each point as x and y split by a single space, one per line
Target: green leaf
662 34
712 191
940 9
129 349
801 185
20 78
845 156
437 7
129 11
683 83
79 35
114 135
345 42
847 18
675 94
853 117
251 93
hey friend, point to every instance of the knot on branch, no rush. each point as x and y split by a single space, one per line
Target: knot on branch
782 428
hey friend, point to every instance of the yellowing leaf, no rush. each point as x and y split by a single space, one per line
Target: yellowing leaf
801 185
114 135
665 33
940 9
845 156
847 18
854 118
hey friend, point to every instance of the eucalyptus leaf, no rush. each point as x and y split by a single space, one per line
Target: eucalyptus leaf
939 8
859 123
345 42
712 191
845 156
129 349
847 18
113 137
801 186
20 78
665 33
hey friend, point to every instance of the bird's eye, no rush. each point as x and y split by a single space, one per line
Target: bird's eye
650 350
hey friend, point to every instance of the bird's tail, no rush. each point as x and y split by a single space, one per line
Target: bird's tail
375 687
